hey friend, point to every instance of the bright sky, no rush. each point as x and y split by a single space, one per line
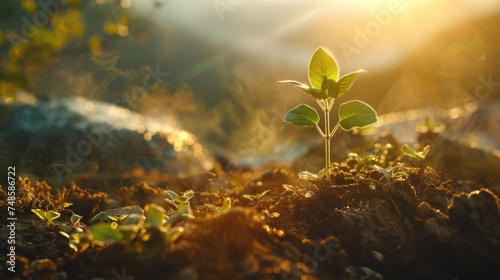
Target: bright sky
289 30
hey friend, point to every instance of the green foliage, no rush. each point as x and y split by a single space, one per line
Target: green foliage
356 114
256 197
155 216
46 216
418 156
390 174
325 87
302 115
183 206
226 206
176 199
127 229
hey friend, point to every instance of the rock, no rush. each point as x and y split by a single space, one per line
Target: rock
376 235
475 217
467 239
60 140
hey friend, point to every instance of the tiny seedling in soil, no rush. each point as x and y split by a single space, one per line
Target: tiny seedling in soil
46 216
220 210
183 206
390 175
325 87
419 157
256 197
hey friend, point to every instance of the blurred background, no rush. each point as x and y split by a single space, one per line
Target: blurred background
213 65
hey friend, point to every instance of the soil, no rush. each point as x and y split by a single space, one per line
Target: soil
362 224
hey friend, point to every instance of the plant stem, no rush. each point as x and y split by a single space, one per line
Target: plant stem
328 136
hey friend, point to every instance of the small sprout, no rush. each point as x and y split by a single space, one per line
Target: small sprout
428 125
46 216
75 219
391 175
256 197
177 199
155 216
417 156
226 206
106 233
79 242
325 87
183 211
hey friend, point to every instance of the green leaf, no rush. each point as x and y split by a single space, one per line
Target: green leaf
316 94
184 208
302 115
337 89
172 196
75 218
407 150
322 66
306 175
260 195
323 172
106 233
40 213
132 219
356 114
154 215
187 195
52 215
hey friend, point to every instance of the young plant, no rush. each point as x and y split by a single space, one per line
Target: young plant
226 206
256 197
325 87
183 206
419 157
46 216
390 174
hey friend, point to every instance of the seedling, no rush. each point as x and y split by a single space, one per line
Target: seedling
389 174
220 210
46 216
256 197
133 227
325 87
419 157
183 206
